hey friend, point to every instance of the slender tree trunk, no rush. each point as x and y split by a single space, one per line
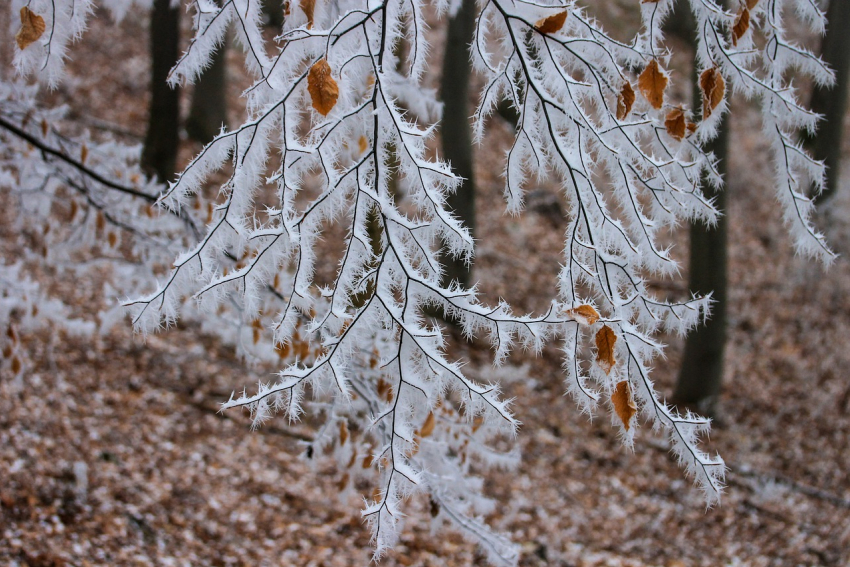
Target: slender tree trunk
457 135
832 102
159 155
209 100
701 373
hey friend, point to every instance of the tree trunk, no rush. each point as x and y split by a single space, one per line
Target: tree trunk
457 135
831 102
209 100
159 156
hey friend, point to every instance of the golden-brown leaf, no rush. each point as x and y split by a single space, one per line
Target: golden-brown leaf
652 83
84 154
367 461
427 427
32 26
584 314
624 403
343 432
362 144
713 88
322 87
308 7
691 127
552 23
675 123
605 340
751 4
742 24
625 100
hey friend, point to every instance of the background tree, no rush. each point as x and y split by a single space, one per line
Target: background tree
208 112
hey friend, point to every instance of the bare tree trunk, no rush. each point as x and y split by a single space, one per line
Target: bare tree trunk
832 102
209 100
457 135
159 155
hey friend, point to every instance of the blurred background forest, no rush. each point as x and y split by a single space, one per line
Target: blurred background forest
112 451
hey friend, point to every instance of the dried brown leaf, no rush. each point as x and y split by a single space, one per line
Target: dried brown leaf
625 100
32 26
652 83
605 341
713 87
362 144
552 23
322 87
428 427
624 403
751 4
675 123
308 7
343 432
84 154
742 24
584 314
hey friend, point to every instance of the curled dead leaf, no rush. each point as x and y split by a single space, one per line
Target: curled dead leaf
624 403
428 427
552 23
675 123
751 4
84 154
625 100
322 87
584 314
742 24
652 84
605 341
308 7
32 26
343 432
713 87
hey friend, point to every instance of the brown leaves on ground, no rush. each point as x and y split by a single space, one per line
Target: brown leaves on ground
625 100
652 84
32 26
713 87
624 403
308 7
675 123
742 24
552 23
322 87
584 314
605 341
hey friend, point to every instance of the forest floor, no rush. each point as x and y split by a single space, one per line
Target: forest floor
112 451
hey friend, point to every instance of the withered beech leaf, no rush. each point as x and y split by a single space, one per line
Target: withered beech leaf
32 26
308 7
652 83
605 340
751 4
624 403
552 23
692 127
427 427
713 88
742 24
625 100
675 123
362 144
584 314
322 87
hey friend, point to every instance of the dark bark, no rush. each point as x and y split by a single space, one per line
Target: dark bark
831 102
457 135
159 156
209 100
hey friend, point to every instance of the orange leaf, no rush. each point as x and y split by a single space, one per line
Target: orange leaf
308 6
427 427
343 432
552 24
322 87
742 24
652 83
751 4
584 314
675 123
624 403
713 88
84 153
605 340
625 100
362 144
32 26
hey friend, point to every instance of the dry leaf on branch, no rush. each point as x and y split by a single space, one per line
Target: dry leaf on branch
362 144
584 314
427 427
751 4
742 24
713 87
32 26
625 100
624 403
322 87
652 83
308 7
605 341
675 123
552 24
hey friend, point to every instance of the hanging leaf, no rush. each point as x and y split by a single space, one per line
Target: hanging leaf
605 340
84 153
675 123
713 88
308 7
742 24
427 427
751 4
552 24
362 144
624 403
652 83
322 87
343 432
32 26
625 100
584 314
